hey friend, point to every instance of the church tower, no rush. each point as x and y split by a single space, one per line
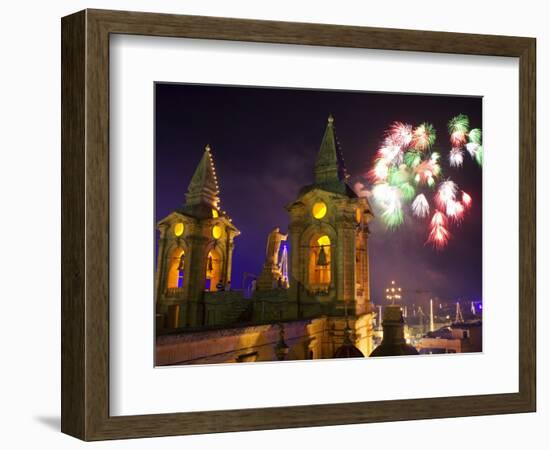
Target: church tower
195 250
328 236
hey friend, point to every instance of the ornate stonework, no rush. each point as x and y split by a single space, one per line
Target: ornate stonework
325 303
195 250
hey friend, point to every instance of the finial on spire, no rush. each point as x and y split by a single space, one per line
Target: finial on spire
330 119
207 147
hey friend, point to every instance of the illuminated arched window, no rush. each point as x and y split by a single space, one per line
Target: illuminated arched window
320 263
213 270
176 269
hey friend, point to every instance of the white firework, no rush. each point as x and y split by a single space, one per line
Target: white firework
472 148
455 210
446 193
456 157
393 154
420 206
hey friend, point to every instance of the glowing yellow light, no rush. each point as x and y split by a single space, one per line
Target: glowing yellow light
178 228
319 210
358 215
216 232
324 240
215 213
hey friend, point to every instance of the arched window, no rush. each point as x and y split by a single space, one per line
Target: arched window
213 270
320 263
176 269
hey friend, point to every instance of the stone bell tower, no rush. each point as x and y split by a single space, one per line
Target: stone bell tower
328 236
195 250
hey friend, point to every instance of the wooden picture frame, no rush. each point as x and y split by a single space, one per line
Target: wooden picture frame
85 224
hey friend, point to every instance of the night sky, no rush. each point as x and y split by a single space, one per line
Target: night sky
265 141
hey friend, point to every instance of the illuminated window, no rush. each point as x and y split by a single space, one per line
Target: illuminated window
178 228
319 210
358 215
324 241
176 269
320 263
215 213
213 270
216 232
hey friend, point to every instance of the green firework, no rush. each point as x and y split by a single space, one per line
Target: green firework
393 217
475 136
479 155
412 159
407 191
459 123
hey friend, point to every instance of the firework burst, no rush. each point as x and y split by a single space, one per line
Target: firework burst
466 200
399 134
455 210
456 157
458 139
389 198
423 136
439 234
459 124
472 147
446 193
405 169
420 206
475 136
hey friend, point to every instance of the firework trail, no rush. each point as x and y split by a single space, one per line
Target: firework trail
406 170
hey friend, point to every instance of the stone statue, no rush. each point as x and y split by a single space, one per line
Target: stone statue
271 271
273 245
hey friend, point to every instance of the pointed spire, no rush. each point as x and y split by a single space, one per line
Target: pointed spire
329 166
203 188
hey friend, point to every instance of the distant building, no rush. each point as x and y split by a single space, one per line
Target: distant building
465 337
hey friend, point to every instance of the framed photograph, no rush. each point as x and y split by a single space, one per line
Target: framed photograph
272 225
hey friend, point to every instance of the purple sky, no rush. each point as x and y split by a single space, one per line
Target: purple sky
264 142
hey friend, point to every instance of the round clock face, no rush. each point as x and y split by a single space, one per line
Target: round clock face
179 228
319 210
216 232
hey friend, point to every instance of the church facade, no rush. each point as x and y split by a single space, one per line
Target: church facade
315 304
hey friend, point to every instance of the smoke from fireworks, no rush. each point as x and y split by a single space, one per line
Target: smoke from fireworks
406 165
